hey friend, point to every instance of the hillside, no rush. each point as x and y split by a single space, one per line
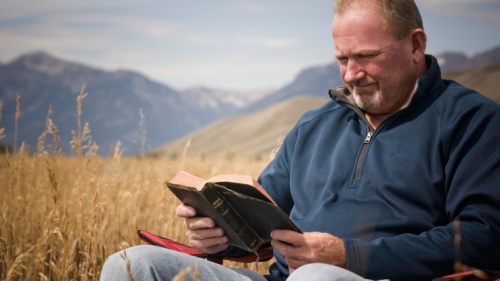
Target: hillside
484 79
453 61
312 81
251 136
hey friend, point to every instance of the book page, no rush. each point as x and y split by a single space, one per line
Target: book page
186 179
241 180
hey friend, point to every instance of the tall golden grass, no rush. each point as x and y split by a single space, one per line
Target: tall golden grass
62 216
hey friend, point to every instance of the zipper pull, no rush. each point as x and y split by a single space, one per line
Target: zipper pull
368 137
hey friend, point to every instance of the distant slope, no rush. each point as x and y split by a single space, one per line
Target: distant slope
312 81
249 136
112 107
453 61
484 79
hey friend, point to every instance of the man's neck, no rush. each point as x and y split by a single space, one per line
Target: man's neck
376 119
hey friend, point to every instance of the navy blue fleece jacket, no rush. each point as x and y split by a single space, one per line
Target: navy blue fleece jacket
393 195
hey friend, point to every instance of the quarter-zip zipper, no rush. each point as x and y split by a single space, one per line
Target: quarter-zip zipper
362 155
342 99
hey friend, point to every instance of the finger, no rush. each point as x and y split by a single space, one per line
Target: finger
199 223
204 233
288 236
210 245
287 250
185 211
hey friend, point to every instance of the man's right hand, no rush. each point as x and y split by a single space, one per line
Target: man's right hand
201 231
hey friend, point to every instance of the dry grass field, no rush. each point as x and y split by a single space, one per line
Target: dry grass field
61 216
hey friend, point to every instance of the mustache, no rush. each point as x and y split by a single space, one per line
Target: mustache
364 82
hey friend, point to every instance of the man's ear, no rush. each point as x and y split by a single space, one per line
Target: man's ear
419 42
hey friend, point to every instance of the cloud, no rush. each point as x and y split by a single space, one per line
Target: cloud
17 8
86 28
252 7
82 32
268 42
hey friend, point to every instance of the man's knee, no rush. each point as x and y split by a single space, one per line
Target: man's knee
137 261
115 268
323 272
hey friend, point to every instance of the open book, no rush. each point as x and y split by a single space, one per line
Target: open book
237 203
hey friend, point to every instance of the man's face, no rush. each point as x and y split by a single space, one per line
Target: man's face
378 69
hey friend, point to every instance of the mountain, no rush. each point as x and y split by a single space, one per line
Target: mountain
484 79
221 100
142 114
118 106
454 61
313 81
248 136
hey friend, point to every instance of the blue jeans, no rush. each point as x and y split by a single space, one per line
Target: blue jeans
147 262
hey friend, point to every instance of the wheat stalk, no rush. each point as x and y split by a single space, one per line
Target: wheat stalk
16 120
2 135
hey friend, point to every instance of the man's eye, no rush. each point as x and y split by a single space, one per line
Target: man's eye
342 59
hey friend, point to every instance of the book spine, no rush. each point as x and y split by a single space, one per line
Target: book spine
231 217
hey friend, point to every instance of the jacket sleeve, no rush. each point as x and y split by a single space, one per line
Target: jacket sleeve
472 189
275 178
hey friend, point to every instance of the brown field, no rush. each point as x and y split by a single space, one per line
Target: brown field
62 216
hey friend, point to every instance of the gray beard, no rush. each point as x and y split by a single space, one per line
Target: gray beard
367 101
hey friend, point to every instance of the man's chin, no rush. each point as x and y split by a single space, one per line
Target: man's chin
365 102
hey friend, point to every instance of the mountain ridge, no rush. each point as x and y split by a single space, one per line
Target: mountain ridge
120 102
456 61
112 107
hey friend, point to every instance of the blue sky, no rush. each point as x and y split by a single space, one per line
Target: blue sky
230 44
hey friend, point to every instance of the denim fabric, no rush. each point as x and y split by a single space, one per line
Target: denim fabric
156 263
323 272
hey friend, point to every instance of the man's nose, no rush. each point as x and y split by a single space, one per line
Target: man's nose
353 72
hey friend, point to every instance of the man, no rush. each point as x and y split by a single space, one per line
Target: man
396 178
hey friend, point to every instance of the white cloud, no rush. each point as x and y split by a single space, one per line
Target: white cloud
79 32
16 8
268 42
252 7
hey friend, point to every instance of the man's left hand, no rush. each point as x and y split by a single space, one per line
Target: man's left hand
310 247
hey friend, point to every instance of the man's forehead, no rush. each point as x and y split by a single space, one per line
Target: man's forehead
364 18
360 32
357 50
